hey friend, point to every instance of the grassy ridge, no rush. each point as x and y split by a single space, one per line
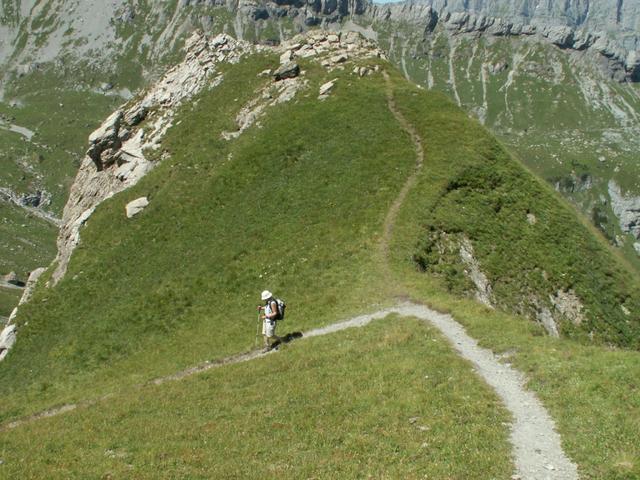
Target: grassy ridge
590 390
388 401
295 206
471 188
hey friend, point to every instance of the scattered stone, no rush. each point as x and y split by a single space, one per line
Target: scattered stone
11 278
288 70
340 58
136 206
327 87
265 73
531 218
413 420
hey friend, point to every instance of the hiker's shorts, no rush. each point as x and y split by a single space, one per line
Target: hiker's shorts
269 328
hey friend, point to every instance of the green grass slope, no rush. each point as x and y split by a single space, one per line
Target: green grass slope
389 401
297 205
529 243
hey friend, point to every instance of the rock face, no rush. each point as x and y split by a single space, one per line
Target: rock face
608 26
573 25
8 334
484 292
7 340
626 208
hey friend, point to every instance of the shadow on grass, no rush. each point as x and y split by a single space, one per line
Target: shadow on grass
289 337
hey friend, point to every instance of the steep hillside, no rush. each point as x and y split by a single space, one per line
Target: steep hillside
553 106
306 182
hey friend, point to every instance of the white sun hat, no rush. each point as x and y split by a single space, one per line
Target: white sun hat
266 295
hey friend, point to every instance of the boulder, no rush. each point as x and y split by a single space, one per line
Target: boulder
288 70
136 206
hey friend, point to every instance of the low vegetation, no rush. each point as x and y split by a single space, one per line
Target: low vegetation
391 400
528 243
9 298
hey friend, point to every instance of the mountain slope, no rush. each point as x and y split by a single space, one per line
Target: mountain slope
247 192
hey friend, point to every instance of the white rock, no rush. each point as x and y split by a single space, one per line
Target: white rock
286 57
342 57
326 88
7 339
136 206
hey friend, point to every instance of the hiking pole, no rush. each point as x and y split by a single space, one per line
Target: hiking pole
255 343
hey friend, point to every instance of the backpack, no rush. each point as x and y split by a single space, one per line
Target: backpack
281 308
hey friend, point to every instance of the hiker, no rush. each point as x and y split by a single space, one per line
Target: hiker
269 319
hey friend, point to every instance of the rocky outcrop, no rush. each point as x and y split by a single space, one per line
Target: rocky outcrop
330 49
484 292
626 208
9 332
